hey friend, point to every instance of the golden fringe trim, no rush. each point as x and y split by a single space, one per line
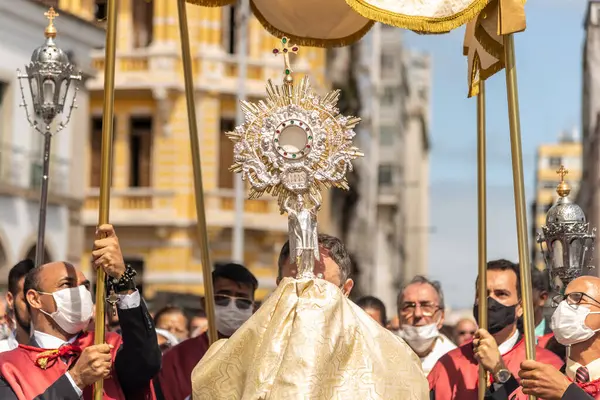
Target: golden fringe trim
211 3
308 41
418 24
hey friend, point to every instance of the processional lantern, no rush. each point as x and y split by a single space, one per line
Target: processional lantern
566 241
49 76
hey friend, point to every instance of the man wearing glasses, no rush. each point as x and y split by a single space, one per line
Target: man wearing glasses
234 287
500 349
421 311
575 323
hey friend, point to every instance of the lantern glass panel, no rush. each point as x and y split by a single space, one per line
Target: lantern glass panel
48 92
575 253
557 254
35 93
64 89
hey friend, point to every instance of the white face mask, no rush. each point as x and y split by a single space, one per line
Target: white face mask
229 318
419 338
568 324
74 308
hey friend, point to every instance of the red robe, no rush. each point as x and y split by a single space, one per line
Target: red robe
29 372
456 374
175 376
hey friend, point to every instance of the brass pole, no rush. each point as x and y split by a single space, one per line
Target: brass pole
197 166
106 167
482 226
519 188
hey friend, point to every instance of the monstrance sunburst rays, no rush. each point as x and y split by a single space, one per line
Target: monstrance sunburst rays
294 143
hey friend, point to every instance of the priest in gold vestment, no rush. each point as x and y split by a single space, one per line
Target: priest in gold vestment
308 341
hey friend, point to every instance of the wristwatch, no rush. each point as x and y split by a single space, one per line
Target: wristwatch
502 376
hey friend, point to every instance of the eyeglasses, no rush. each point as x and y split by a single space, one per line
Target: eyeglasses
572 299
427 308
462 333
223 300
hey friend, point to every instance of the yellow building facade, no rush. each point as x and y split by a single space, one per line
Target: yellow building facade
152 197
568 152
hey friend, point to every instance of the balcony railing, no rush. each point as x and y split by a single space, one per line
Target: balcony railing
133 199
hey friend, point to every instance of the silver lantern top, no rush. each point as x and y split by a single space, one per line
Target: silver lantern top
49 75
565 241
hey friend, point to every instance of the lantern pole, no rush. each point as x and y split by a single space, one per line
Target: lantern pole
41 236
202 231
47 69
519 192
482 226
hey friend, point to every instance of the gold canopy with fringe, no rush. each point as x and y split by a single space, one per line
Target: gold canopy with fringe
309 341
343 22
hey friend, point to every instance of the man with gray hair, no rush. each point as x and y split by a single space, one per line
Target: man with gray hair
421 313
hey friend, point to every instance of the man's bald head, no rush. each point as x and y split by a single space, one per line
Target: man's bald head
589 285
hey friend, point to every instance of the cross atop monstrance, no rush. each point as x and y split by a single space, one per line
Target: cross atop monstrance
286 50
51 29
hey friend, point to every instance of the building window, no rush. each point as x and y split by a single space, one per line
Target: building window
225 154
547 185
140 152
387 136
387 61
555 162
385 175
96 150
100 10
142 14
388 96
229 29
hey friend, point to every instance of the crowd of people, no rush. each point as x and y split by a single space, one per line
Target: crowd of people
47 351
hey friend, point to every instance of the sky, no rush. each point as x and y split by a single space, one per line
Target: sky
549 76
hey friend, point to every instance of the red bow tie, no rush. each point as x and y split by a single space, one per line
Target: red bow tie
47 358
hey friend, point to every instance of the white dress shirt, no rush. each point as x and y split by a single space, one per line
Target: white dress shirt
593 369
10 343
509 343
441 347
46 341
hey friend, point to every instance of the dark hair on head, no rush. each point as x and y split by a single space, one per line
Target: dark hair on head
33 280
166 310
18 272
335 249
505 265
540 280
375 304
237 273
423 280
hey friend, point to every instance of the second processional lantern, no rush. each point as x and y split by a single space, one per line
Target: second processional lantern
566 241
49 76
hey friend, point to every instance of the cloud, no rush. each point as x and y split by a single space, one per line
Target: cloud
453 246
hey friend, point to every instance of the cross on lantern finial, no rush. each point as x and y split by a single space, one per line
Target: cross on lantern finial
50 29
562 171
286 49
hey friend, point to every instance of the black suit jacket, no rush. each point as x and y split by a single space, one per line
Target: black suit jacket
137 362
